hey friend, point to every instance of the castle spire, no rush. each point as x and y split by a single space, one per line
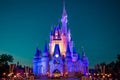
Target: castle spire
45 48
68 52
69 35
45 53
83 52
38 53
64 10
64 19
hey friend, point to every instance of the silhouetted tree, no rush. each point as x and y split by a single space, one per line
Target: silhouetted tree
110 67
118 58
4 60
114 68
117 67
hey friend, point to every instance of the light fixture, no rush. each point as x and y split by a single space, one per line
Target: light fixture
56 55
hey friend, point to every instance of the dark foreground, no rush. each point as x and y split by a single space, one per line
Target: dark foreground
58 79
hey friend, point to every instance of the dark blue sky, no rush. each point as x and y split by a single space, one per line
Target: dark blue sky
94 24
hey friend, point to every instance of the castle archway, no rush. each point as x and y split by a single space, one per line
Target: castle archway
56 73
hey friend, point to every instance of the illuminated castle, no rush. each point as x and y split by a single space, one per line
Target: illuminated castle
60 55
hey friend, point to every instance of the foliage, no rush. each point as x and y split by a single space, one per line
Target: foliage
118 58
113 67
4 60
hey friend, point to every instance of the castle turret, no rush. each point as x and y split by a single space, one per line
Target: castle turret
69 35
44 62
68 54
85 62
46 52
56 34
68 60
85 59
37 56
75 55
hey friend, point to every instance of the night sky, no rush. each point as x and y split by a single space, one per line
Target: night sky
94 24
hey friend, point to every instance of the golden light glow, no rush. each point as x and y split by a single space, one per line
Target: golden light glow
90 76
103 76
97 74
4 73
56 74
14 76
62 45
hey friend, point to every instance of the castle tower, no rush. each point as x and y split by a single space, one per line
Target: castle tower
46 52
37 56
69 35
68 52
44 62
68 60
64 20
60 35
85 62
74 55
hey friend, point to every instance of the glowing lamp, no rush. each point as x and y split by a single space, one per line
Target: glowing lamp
56 55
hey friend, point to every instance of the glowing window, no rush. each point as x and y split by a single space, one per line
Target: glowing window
56 55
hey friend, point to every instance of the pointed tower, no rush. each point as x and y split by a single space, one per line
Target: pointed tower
64 20
85 59
68 52
74 51
75 55
68 60
44 62
83 52
38 54
36 59
51 34
68 55
69 35
45 54
85 62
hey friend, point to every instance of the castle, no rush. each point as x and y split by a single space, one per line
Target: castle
59 58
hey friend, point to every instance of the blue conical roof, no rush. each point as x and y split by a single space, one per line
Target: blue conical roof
45 48
58 27
51 32
56 49
45 54
74 50
78 56
83 54
38 53
68 49
68 52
